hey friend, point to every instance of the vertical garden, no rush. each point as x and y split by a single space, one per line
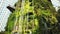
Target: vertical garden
33 17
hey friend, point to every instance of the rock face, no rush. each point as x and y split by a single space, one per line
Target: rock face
5 12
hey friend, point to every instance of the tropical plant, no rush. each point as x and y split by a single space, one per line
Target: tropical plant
32 17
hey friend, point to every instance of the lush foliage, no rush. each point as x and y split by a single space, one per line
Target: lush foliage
34 17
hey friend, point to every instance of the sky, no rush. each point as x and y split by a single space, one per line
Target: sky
4 12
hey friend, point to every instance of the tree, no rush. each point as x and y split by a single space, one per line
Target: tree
34 17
